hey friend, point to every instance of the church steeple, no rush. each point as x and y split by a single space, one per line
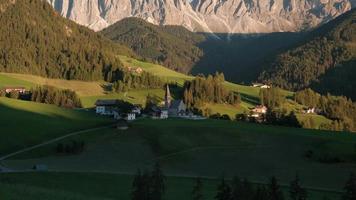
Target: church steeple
167 97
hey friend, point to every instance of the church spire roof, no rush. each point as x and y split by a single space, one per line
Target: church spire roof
167 97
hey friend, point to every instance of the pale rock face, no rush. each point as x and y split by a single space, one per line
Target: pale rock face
218 16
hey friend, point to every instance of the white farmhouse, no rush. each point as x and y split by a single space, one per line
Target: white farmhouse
106 107
130 116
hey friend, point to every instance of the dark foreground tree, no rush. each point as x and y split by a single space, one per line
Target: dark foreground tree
223 191
139 185
350 188
296 192
157 183
274 191
197 192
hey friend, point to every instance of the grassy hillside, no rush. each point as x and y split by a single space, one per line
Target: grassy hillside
91 91
173 47
82 88
26 123
321 61
80 186
209 148
35 39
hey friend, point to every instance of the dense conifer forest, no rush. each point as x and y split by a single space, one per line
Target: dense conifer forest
326 54
35 39
208 89
172 46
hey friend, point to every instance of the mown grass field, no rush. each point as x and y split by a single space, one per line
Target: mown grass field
9 81
95 186
27 123
82 88
208 148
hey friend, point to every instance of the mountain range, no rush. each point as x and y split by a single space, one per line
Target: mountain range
211 16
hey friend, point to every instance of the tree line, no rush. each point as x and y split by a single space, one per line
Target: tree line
144 80
48 95
208 89
337 108
152 186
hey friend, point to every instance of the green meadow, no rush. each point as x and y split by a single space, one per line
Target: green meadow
208 148
27 123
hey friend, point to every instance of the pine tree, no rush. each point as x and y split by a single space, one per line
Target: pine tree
236 193
197 192
296 192
350 188
157 183
223 191
274 191
260 194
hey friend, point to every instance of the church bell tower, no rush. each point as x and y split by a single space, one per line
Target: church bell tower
167 97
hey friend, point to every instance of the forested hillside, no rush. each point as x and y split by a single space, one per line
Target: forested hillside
35 39
172 46
322 61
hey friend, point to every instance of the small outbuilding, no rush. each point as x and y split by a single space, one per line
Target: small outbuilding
122 125
40 167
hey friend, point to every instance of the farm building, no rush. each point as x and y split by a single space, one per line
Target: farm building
122 125
106 107
14 89
258 111
260 85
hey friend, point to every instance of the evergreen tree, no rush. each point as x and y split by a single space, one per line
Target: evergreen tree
137 189
274 191
260 194
296 192
350 188
223 191
197 192
236 189
157 183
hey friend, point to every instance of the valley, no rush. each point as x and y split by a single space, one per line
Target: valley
177 100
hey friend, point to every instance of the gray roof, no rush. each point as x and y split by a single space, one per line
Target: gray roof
175 104
107 102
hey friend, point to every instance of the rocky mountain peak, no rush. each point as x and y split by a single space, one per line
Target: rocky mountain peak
219 16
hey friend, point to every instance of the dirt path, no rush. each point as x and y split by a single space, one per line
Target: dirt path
52 141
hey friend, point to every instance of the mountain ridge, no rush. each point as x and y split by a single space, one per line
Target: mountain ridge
212 16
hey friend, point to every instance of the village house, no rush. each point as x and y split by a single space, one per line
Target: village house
159 113
130 116
20 90
138 70
258 111
107 107
136 109
312 110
